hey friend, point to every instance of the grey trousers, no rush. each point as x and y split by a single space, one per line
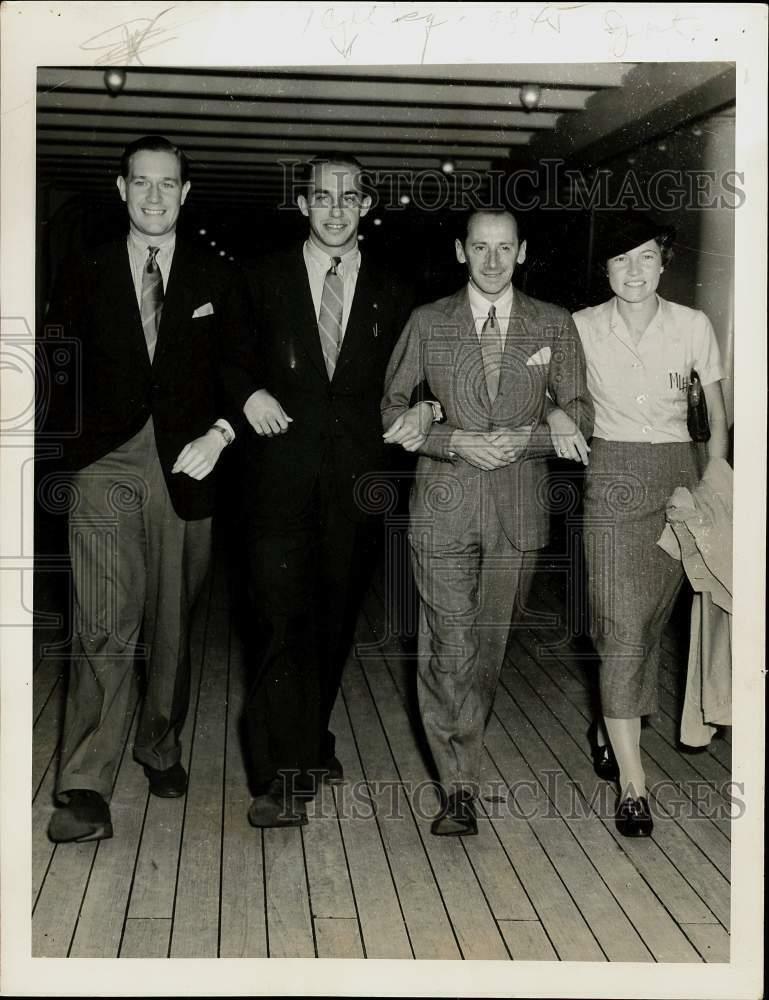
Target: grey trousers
467 573
137 569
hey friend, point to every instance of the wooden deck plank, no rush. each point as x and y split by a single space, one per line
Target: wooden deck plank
706 794
146 937
560 916
157 864
663 875
526 941
46 735
379 910
549 751
330 886
580 845
476 930
710 940
243 921
42 848
195 932
338 937
58 904
428 925
289 920
67 874
100 926
49 672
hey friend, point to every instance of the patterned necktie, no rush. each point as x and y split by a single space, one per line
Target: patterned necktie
152 299
491 350
330 316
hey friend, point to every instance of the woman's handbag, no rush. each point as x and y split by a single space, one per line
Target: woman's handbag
697 414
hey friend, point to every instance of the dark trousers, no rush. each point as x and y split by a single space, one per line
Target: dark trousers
307 577
137 570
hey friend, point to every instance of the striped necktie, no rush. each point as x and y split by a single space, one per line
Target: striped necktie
491 350
152 299
330 316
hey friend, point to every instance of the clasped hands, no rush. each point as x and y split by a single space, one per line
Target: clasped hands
490 450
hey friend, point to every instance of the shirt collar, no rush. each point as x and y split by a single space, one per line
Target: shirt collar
617 323
350 260
140 242
479 304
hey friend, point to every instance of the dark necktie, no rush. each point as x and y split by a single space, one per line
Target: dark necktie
491 350
152 299
330 316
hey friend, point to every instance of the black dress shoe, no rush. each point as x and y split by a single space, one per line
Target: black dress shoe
633 818
168 784
270 810
457 818
604 762
85 817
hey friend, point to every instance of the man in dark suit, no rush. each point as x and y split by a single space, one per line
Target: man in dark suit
502 365
156 323
327 318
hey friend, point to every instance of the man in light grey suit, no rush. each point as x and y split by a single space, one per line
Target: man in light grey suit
507 370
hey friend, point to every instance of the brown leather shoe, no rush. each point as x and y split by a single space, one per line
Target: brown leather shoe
85 817
273 811
168 784
457 818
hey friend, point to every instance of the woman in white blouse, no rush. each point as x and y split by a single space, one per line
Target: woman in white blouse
640 350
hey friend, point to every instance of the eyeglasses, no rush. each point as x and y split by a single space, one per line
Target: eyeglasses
322 199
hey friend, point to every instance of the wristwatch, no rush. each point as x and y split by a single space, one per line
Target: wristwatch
227 434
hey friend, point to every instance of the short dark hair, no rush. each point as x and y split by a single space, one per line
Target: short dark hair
331 156
154 144
463 222
665 242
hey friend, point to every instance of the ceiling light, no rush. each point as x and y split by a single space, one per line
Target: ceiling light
404 199
447 166
377 222
202 232
114 80
213 243
530 95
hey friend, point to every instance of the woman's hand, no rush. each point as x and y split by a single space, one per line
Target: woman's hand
568 440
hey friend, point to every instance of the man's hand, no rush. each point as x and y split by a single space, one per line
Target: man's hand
198 458
265 414
513 440
481 449
411 428
568 440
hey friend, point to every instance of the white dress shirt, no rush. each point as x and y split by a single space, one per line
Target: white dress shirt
318 262
479 305
639 390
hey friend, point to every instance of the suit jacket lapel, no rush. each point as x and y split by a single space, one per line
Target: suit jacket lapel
362 324
177 299
519 337
299 305
470 356
123 303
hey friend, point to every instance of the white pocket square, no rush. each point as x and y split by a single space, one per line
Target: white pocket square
206 310
542 357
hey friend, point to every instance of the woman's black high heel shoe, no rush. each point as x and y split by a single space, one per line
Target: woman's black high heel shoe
604 762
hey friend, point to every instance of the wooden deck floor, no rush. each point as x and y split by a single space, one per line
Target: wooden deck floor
547 877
